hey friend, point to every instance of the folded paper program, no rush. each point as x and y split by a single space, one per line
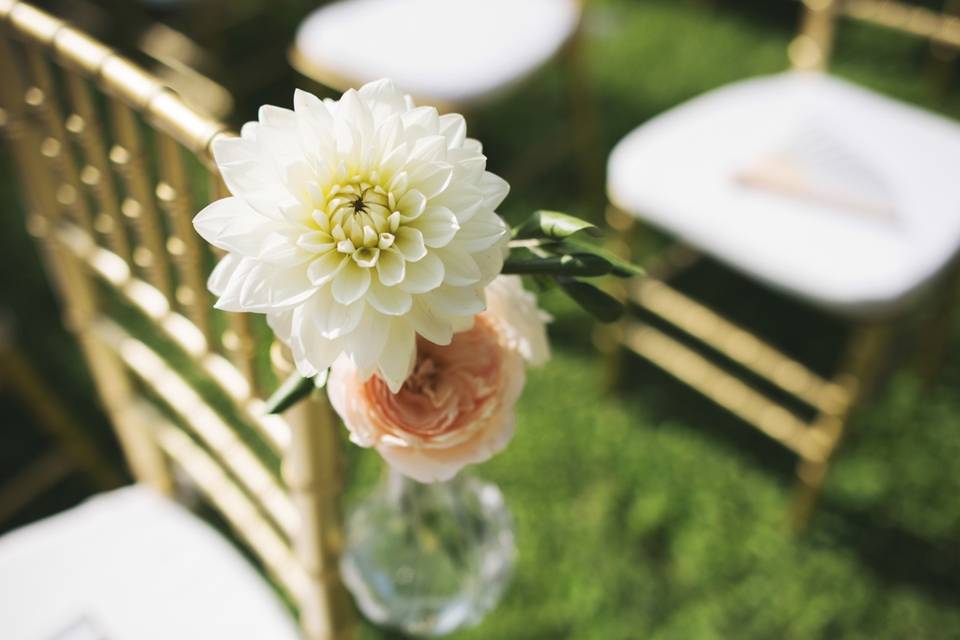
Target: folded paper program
817 168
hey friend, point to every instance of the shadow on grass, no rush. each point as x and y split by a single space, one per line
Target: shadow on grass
892 553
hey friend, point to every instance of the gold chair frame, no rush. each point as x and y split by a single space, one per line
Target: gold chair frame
101 151
832 400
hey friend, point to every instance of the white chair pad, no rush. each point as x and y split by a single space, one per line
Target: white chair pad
813 185
450 51
131 564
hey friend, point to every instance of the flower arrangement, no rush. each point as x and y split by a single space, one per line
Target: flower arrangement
366 229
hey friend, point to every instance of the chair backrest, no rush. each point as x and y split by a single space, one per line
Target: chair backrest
812 47
113 166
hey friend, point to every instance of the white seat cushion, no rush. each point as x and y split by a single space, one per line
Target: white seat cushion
449 51
813 185
132 564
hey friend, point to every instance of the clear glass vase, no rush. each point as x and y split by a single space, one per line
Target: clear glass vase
429 558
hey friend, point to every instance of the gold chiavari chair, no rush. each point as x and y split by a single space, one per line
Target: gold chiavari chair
692 172
113 165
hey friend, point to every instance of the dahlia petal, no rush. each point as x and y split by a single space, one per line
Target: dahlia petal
267 287
316 241
494 189
298 177
459 268
232 225
464 200
462 323
383 98
482 231
281 323
367 343
423 275
412 204
421 121
247 174
280 250
409 242
232 279
318 352
468 166
490 263
453 127
354 110
472 144
221 274
389 134
326 267
432 178
394 161
429 149
278 135
438 226
399 182
391 301
314 124
350 283
391 267
332 319
398 355
278 118
456 301
429 324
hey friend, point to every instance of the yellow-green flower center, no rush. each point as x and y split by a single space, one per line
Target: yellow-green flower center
361 219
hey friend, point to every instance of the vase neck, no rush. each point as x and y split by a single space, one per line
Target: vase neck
399 486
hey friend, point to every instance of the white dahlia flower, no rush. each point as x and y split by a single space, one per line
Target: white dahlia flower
355 225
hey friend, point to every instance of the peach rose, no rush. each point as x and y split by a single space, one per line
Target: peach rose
457 407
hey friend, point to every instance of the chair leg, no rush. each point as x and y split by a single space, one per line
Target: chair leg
937 330
608 338
810 478
583 116
859 370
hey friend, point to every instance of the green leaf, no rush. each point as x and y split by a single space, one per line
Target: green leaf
553 224
597 302
585 265
579 248
293 389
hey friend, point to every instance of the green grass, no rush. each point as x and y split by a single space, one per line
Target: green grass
650 513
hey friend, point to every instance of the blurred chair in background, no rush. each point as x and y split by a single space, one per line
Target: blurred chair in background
112 166
831 193
452 54
449 53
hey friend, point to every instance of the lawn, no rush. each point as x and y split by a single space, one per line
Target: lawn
648 512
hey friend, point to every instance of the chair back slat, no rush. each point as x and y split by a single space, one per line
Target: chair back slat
940 27
173 193
129 159
41 96
96 174
813 46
